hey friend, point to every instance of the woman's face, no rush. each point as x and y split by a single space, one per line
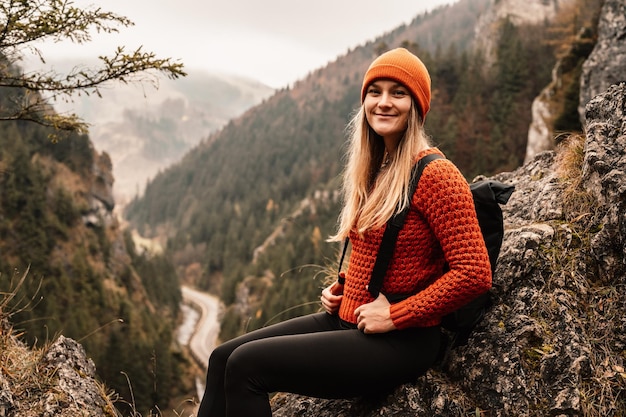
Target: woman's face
387 104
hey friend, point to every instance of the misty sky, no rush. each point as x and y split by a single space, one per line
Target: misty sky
274 41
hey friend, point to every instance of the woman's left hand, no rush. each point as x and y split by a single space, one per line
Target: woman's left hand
375 317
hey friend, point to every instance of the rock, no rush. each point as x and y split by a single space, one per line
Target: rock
540 131
548 106
7 405
518 12
607 63
605 176
75 390
102 186
100 198
55 381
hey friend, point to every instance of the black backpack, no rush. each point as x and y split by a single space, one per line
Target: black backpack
488 195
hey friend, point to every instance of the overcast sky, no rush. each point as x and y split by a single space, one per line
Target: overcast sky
274 41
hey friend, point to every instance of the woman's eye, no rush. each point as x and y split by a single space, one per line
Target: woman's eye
373 91
399 93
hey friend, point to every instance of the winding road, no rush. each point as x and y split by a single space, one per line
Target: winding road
204 337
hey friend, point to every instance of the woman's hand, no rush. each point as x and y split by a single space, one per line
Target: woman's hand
331 297
375 317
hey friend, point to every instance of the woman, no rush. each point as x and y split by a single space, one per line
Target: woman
360 345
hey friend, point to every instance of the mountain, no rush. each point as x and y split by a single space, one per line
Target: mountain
68 267
145 128
518 13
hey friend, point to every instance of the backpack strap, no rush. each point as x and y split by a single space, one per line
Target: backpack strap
342 278
395 223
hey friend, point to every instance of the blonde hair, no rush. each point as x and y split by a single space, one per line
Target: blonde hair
371 195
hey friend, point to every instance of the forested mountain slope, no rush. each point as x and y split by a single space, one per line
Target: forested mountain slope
220 204
67 267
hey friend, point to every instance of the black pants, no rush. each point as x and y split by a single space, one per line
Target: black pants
317 355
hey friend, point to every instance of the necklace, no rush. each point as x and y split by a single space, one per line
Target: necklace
386 161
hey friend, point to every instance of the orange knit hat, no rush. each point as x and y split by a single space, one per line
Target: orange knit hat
402 66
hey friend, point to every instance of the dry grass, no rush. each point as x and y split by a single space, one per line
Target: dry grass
20 367
579 206
27 384
604 393
598 306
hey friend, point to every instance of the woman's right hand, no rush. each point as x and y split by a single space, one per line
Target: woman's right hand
331 297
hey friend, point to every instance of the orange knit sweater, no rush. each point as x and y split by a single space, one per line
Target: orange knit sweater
440 227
